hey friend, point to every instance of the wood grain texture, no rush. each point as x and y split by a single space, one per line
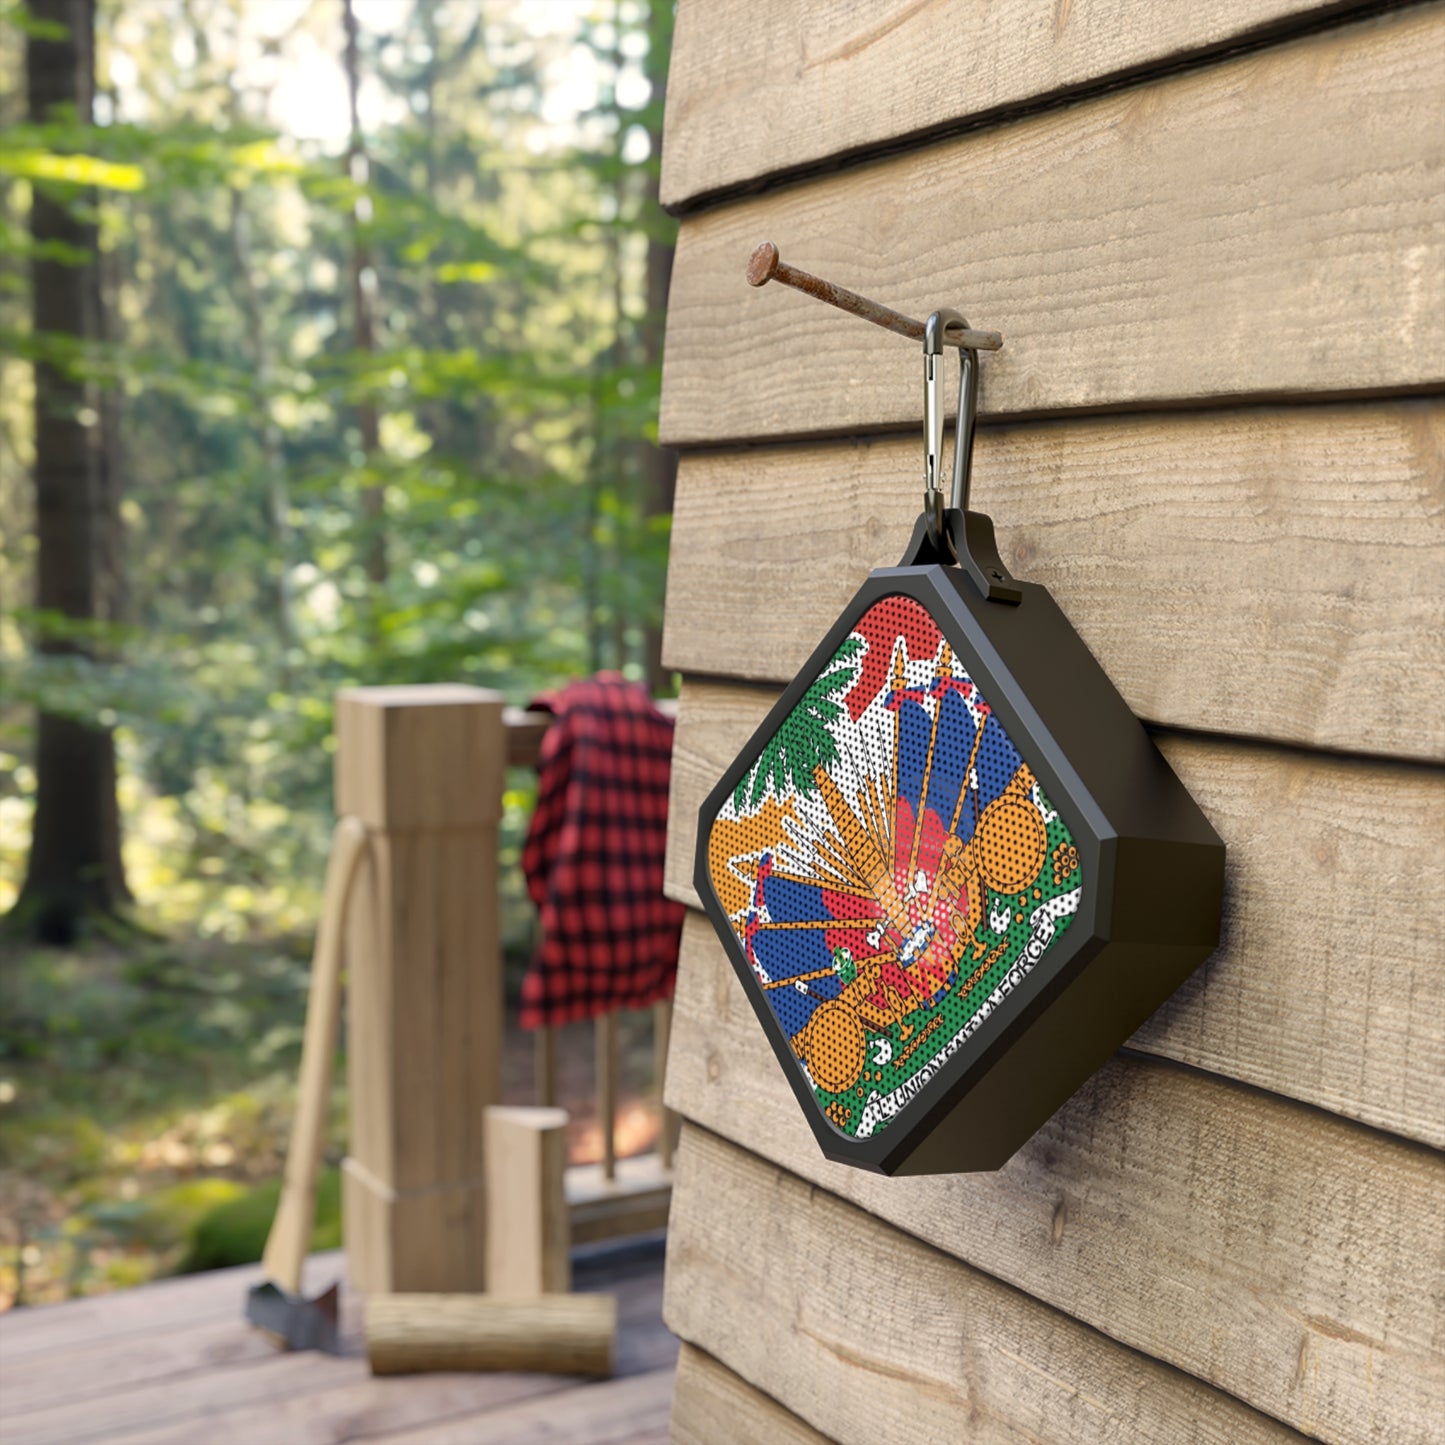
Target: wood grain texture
1328 987
870 1335
1270 226
1294 554
424 988
529 1229
1286 1257
135 1359
283 1398
400 750
289 1240
99 1322
713 1406
175 1362
557 1334
629 1411
754 90
634 1201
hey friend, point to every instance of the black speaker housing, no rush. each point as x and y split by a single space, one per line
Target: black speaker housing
1151 866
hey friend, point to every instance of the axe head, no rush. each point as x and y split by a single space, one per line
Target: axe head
295 1322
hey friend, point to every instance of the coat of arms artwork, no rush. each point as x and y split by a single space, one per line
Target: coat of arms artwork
951 869
891 867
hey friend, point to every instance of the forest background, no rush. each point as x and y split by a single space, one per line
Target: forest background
330 340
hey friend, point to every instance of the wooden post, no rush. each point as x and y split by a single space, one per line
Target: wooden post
422 768
529 1230
606 1049
544 1065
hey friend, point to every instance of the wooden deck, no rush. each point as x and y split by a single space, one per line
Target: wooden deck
175 1363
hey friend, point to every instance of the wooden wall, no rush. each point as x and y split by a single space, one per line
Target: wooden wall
1214 237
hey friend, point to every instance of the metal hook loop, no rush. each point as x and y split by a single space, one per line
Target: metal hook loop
933 499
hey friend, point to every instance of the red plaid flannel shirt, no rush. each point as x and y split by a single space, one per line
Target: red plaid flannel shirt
594 856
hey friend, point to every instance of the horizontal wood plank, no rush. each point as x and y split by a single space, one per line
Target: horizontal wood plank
710 1402
633 1410
754 91
154 1357
1256 572
351 1405
1283 1256
58 1331
872 1336
1328 987
634 1201
1271 226
181 1364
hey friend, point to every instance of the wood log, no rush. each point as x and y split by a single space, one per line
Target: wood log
759 91
571 1334
1299 1000
962 1357
1270 226
1317 534
1269 1249
529 1235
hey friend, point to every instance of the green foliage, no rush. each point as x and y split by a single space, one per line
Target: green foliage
514 374
234 1230
144 1090
803 743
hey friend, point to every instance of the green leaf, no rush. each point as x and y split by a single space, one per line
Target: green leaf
79 170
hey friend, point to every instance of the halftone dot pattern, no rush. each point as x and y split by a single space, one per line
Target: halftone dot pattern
890 866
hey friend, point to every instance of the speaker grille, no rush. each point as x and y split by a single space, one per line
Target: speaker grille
890 866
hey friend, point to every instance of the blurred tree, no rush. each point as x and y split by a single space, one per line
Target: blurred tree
363 304
74 867
659 463
501 409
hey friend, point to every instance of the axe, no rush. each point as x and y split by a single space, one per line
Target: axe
277 1305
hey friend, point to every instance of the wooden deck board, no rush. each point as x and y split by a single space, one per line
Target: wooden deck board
628 1410
176 1362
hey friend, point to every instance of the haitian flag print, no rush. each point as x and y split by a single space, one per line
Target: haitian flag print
890 866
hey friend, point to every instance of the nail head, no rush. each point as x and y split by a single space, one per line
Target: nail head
763 264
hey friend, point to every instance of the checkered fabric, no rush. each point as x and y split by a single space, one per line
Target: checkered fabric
594 856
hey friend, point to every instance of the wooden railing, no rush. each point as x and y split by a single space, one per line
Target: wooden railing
424 767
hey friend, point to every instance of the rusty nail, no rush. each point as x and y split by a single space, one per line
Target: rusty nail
766 265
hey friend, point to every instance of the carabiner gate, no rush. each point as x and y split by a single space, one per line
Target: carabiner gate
934 505
949 533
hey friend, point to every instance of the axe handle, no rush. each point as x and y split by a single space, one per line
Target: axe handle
289 1241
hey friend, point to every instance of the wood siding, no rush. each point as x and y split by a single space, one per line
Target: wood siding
1316 533
1273 226
1215 243
762 91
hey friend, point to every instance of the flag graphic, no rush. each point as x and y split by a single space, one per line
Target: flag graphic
890 866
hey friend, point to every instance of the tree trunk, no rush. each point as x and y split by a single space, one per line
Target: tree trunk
74 866
363 295
273 446
659 463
